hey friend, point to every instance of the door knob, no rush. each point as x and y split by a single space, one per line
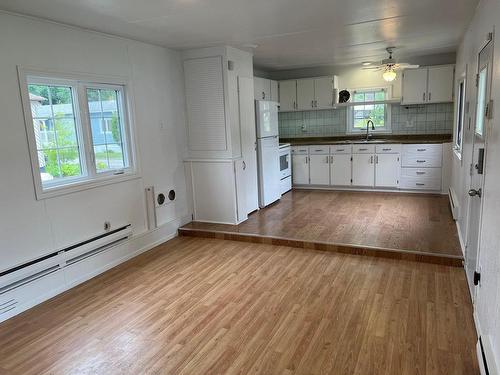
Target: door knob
473 192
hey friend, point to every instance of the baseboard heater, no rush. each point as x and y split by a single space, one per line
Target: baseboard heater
28 272
453 204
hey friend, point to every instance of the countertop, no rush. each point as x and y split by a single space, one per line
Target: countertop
430 138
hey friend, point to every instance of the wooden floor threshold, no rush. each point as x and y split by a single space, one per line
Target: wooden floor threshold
443 259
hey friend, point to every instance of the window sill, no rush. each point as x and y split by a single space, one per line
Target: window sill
457 153
76 186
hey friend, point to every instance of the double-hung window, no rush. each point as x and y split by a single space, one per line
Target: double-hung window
459 117
78 131
369 104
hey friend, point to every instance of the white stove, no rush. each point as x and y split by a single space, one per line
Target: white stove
285 167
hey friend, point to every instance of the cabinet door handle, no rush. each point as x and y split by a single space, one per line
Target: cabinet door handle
244 165
307 159
386 149
295 105
316 103
312 103
376 159
327 159
423 97
331 159
430 96
419 184
420 161
363 149
340 150
371 159
421 149
418 172
263 95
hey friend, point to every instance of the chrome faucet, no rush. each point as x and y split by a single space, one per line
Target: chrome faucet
368 123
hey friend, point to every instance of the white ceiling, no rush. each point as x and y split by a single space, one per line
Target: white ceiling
289 33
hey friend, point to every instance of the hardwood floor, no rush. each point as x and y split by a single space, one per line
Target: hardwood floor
202 306
420 223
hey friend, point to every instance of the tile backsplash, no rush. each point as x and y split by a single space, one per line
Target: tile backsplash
417 119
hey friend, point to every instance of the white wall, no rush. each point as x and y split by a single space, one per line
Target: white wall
487 306
31 228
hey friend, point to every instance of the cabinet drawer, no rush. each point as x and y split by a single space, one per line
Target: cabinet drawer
421 172
388 149
340 149
422 161
300 150
363 149
315 150
420 183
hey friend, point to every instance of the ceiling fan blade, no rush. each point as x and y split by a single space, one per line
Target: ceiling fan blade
372 68
407 66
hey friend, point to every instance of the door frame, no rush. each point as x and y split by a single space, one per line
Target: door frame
489 43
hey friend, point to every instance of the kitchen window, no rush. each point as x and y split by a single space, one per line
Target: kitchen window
459 117
372 106
78 131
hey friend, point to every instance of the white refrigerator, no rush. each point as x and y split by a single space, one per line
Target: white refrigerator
266 117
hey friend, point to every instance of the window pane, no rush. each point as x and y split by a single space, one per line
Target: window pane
59 163
481 102
107 129
55 132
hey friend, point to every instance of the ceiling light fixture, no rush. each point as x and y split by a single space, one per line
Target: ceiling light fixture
389 74
366 63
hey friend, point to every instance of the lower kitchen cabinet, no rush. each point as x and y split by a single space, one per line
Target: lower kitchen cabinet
319 170
340 170
363 170
387 167
300 169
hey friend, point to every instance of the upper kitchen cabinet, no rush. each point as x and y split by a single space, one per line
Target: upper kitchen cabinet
274 91
305 94
433 84
308 93
440 86
288 95
265 89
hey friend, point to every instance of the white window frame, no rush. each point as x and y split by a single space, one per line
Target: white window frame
387 129
457 146
79 83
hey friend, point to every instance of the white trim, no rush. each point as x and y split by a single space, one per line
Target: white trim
79 82
370 189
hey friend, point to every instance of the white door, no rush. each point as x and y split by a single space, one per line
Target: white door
340 170
262 89
300 169
248 143
288 95
477 177
414 88
319 170
440 88
363 171
387 167
269 170
274 91
305 93
323 92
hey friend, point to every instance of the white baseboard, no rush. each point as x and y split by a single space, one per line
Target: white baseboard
460 238
362 189
46 287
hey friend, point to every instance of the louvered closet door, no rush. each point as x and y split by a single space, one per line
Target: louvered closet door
205 104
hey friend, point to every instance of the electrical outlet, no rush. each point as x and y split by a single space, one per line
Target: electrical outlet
304 128
107 225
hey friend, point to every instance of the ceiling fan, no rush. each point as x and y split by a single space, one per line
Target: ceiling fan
389 66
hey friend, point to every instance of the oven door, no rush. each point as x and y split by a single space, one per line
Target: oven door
285 167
